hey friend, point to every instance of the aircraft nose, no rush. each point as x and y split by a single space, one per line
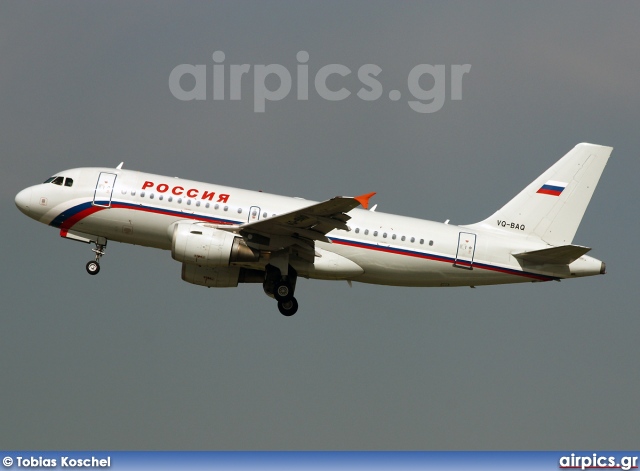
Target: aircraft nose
23 200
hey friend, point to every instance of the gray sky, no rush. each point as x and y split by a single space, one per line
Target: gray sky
135 358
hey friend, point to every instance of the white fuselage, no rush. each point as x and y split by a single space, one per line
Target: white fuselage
141 208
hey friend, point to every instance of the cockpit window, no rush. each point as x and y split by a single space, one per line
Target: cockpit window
60 181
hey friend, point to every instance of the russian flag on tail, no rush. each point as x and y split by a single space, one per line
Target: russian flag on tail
552 188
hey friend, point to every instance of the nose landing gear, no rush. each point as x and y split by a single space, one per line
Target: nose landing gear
93 267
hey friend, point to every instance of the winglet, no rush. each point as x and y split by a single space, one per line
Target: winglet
364 199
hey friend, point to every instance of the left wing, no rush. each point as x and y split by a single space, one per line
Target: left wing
305 224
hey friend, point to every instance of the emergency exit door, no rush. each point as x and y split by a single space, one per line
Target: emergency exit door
104 189
254 214
466 250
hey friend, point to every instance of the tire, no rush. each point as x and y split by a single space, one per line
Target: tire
93 268
283 292
288 308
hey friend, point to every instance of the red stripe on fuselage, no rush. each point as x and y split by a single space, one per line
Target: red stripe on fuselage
436 258
71 221
163 212
68 223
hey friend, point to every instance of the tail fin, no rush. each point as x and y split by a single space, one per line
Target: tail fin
552 206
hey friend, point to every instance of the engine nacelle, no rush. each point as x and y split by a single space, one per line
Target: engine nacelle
208 247
211 277
220 277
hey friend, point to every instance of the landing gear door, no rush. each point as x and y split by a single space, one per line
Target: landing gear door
466 250
104 189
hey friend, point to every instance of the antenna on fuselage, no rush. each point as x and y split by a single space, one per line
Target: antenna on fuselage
120 166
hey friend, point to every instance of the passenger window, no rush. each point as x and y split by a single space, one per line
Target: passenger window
206 205
226 208
430 242
142 194
197 203
393 237
133 192
413 239
160 197
179 200
357 230
216 206
189 202
151 196
366 232
58 181
68 182
264 215
384 235
403 238
239 210
422 241
170 199
375 233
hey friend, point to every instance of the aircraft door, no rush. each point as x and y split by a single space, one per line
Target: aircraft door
254 214
104 189
466 250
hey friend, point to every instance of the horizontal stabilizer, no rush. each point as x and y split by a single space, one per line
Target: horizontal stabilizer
562 255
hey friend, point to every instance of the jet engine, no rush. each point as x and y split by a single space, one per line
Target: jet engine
206 254
197 244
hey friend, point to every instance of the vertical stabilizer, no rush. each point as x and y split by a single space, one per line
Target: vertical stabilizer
552 206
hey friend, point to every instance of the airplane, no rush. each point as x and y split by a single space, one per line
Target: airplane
224 236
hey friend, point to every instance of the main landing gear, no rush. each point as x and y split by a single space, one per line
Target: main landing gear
93 267
282 289
288 308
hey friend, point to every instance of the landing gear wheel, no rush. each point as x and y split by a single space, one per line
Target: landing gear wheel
93 267
288 308
283 291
